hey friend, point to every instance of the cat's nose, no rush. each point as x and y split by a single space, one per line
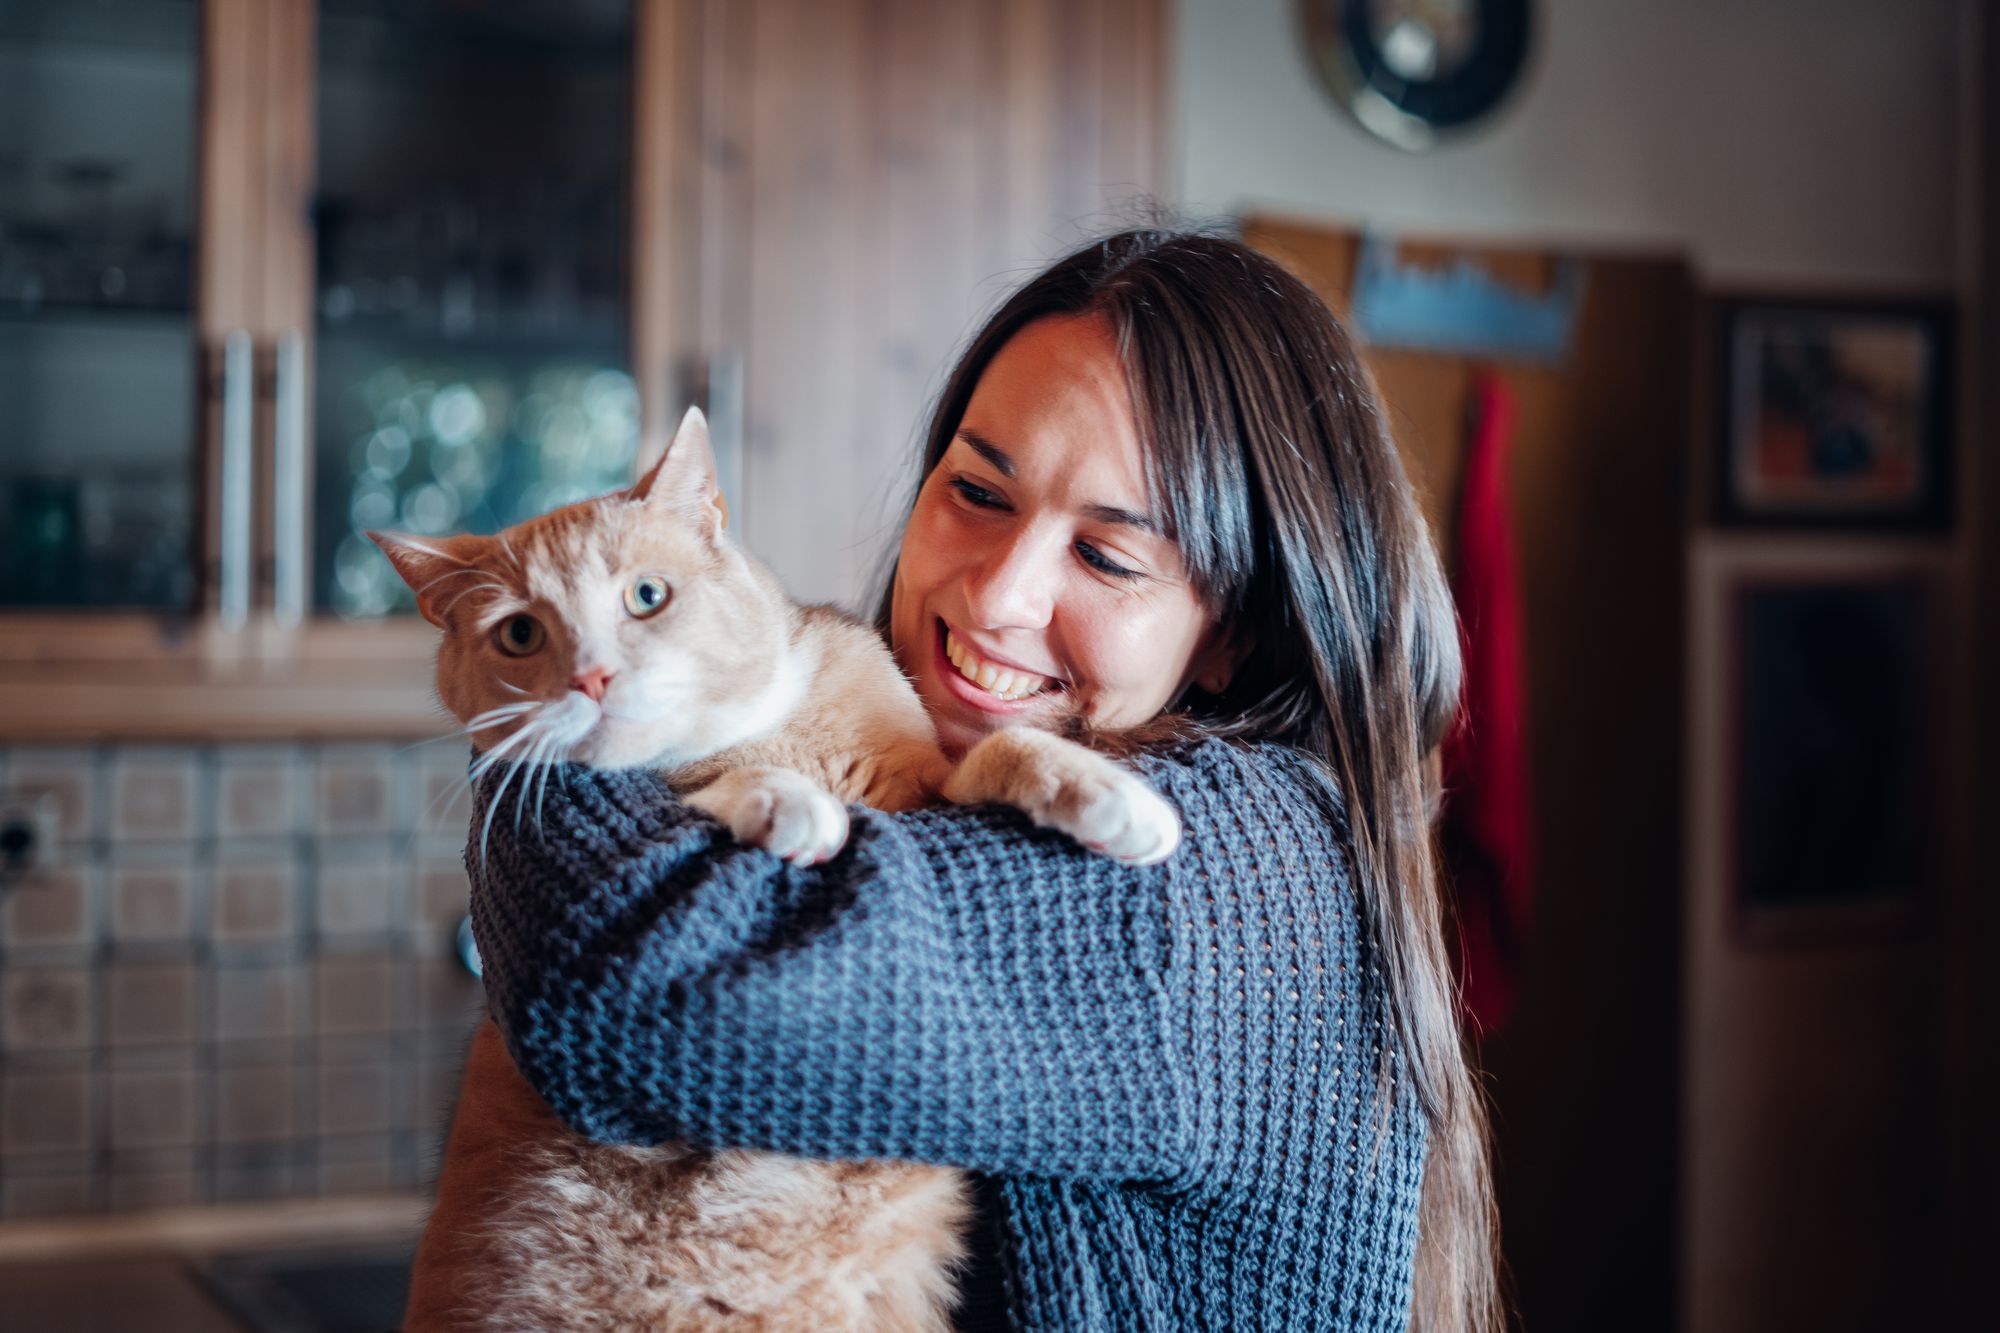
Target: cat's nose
593 682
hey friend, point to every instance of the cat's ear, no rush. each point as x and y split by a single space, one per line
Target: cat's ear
436 568
684 479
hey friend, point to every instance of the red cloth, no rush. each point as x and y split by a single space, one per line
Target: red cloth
1487 810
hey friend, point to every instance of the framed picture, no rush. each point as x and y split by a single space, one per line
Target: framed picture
1835 414
1820 726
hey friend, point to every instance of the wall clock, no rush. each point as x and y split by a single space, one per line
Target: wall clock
1413 71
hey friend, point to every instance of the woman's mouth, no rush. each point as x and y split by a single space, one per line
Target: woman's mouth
985 684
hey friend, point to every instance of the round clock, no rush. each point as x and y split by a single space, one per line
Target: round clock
1411 71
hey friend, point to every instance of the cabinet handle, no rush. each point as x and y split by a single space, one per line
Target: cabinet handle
288 483
238 415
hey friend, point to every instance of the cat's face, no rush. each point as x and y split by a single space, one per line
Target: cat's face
617 632
1032 585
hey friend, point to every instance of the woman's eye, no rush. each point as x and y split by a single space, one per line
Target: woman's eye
647 595
518 635
1097 561
976 495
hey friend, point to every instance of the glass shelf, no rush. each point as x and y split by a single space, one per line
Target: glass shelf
97 341
472 294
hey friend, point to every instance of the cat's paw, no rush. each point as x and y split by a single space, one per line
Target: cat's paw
1061 785
1110 811
778 810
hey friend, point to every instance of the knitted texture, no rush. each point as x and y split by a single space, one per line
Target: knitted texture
1174 1074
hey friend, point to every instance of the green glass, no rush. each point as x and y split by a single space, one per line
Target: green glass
98 105
472 234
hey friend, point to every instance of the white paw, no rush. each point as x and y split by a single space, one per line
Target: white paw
778 810
1110 811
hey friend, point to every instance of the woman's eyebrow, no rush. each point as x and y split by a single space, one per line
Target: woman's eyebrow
1004 465
989 451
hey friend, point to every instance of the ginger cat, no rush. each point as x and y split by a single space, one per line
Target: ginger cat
629 631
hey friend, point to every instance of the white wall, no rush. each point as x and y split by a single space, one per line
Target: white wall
1773 140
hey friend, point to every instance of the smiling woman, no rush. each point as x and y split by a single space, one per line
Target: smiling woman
1034 585
1160 510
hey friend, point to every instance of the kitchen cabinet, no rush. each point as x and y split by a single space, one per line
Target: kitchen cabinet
436 266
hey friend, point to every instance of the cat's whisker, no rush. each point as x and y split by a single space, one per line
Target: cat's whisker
494 756
526 763
449 574
548 764
486 721
486 831
498 589
427 824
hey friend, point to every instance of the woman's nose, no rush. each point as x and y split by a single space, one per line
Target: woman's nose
1012 587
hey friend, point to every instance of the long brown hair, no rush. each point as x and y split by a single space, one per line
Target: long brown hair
1271 462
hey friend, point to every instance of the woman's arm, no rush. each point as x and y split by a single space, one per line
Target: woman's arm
954 987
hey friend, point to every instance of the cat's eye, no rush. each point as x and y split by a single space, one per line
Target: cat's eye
645 596
518 635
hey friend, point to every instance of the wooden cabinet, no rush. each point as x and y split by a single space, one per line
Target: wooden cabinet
508 242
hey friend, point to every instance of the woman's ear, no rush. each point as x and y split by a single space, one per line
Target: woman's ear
1219 658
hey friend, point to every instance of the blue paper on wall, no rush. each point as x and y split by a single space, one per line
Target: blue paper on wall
1461 308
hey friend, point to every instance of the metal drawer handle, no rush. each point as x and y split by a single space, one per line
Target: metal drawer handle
238 415
288 484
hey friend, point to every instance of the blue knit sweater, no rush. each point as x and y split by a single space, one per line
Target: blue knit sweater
1167 1077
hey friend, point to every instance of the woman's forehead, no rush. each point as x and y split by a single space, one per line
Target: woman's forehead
1055 399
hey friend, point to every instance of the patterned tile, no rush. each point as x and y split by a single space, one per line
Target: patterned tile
70 776
45 1009
367 1164
25 1197
361 891
355 792
152 1109
155 1179
259 791
237 980
255 900
444 795
355 996
357 1098
441 898
255 1173
155 795
256 1104
149 1004
46 1113
50 909
256 1001
151 902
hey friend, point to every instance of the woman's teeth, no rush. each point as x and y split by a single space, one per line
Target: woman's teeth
998 681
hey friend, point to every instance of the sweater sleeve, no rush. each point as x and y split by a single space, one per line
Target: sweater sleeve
955 986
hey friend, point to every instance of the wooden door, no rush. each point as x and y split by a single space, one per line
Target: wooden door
861 180
1583 1078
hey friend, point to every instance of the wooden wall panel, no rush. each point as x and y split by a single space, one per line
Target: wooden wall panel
878 173
1584 1078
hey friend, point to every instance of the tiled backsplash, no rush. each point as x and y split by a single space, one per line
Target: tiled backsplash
236 977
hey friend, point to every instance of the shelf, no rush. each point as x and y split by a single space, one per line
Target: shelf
71 312
84 679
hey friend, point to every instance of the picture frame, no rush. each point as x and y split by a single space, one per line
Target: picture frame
1834 414
1819 671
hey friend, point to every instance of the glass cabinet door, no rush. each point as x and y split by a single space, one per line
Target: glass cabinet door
472 235
98 414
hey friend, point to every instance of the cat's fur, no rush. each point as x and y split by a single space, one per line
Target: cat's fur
768 715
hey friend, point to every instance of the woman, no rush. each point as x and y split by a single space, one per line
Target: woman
1226 1091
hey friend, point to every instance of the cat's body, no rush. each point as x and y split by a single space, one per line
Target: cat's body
769 716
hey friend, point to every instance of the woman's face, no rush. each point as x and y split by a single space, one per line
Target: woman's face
1033 583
